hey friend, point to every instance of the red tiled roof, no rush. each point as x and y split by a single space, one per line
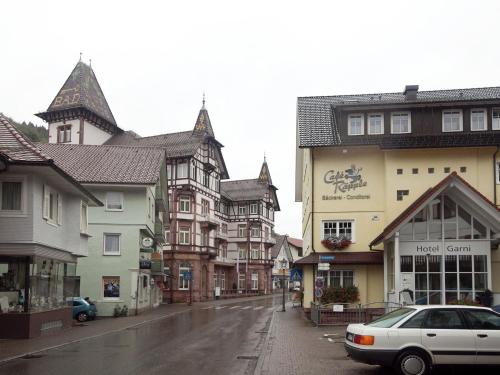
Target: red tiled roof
421 200
295 242
346 257
108 164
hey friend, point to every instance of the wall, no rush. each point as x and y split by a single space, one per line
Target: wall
75 130
92 135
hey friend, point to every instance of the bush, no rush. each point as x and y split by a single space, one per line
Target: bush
332 294
120 311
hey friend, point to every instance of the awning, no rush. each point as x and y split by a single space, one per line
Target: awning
348 257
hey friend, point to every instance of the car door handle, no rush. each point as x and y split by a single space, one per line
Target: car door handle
482 335
431 334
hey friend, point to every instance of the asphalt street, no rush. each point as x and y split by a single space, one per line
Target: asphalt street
218 339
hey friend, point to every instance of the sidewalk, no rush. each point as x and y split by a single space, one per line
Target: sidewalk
12 349
295 347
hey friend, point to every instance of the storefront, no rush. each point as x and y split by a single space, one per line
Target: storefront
441 249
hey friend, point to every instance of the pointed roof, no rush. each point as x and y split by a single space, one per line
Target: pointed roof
203 124
81 90
264 175
451 182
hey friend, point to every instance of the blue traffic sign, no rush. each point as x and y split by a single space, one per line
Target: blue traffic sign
296 274
326 258
318 292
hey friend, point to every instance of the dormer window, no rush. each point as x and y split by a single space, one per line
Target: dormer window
400 122
478 120
356 124
495 119
376 123
452 120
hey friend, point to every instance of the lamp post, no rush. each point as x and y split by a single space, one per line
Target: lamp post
283 263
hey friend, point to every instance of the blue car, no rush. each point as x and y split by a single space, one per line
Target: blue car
82 310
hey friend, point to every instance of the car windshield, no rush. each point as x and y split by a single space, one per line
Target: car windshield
389 319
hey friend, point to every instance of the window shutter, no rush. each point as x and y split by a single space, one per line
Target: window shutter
46 202
59 209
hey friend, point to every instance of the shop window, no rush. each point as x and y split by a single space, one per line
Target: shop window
111 286
64 134
11 195
111 244
414 171
399 171
114 201
430 170
339 229
400 194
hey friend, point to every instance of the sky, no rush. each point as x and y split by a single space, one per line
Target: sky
155 59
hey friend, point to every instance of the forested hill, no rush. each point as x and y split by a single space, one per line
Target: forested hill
36 133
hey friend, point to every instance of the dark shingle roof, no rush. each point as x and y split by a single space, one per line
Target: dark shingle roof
244 190
317 125
275 249
15 146
82 90
108 164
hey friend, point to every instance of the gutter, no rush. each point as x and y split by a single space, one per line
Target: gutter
495 176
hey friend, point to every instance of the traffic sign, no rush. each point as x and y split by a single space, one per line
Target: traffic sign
323 266
320 283
296 274
318 293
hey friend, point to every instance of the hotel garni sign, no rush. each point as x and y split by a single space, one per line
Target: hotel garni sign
345 183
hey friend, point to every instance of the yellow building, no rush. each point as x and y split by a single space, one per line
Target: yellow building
400 193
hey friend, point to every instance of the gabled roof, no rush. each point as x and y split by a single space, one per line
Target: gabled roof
452 180
99 164
318 126
203 124
264 175
81 90
276 248
16 149
295 242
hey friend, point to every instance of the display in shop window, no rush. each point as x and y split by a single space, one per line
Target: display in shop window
111 287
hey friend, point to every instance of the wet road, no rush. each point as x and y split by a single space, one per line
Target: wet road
209 340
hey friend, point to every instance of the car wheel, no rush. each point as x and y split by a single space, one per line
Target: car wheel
82 317
412 362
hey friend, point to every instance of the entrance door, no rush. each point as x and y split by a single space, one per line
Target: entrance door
446 336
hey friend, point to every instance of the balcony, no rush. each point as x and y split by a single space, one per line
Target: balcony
208 220
269 241
209 250
220 235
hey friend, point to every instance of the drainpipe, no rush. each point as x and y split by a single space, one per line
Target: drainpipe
495 176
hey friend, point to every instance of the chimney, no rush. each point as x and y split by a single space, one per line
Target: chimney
410 92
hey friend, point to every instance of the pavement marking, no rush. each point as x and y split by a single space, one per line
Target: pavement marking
258 307
246 307
234 307
220 307
208 308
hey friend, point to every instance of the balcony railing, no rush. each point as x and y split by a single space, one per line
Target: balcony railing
220 235
208 220
209 250
270 240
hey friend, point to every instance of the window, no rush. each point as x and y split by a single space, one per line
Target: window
242 210
242 252
255 231
184 204
205 237
242 281
255 252
495 119
167 236
376 123
478 120
11 193
255 281
84 218
184 276
254 209
400 122
399 171
223 280
443 319
400 194
430 170
114 201
406 263
338 278
184 236
483 319
266 233
111 244
338 229
356 125
415 321
452 121
242 230
446 169
52 205
498 172
169 171
206 179
224 228
182 170
64 134
463 169
205 207
193 170
111 286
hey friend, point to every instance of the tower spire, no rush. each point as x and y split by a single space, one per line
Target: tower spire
203 106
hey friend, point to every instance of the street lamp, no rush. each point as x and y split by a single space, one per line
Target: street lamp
283 264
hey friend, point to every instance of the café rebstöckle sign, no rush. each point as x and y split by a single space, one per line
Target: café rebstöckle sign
345 183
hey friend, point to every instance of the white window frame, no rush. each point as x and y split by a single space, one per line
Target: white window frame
57 219
255 280
349 123
22 211
242 252
254 231
185 201
485 119
242 230
104 244
223 280
337 229
242 210
408 114
254 252
182 170
120 195
242 279
183 283
205 206
495 121
254 209
84 218
461 120
372 115
182 236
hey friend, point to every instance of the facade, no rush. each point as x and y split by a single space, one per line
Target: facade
126 235
285 253
390 182
43 226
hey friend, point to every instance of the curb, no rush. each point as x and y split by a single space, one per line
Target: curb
266 348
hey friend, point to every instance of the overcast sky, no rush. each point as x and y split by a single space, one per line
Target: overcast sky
154 60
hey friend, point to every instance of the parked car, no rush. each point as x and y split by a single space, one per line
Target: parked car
83 310
496 308
412 339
